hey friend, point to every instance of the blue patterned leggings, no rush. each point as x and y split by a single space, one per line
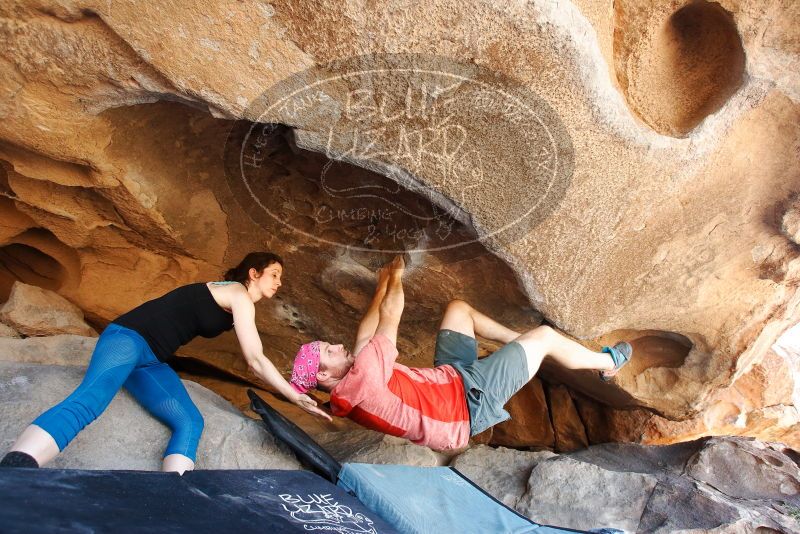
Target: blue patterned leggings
123 358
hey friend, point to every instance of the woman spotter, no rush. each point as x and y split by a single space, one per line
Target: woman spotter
135 351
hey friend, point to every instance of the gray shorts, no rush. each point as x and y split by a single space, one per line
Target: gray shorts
488 382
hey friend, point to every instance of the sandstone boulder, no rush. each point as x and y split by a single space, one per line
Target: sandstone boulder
366 446
530 424
570 433
681 506
759 403
673 219
64 349
746 469
34 311
501 472
790 224
683 487
7 331
573 494
125 436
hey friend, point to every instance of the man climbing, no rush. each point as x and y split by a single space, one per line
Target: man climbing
461 396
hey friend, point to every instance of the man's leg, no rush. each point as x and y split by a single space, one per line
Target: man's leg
499 376
462 318
456 343
545 341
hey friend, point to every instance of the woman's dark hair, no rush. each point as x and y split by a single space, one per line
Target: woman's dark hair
255 260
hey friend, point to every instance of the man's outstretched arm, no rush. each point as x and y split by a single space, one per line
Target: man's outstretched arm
368 325
391 307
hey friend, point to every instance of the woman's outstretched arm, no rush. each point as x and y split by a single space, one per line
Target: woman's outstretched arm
244 322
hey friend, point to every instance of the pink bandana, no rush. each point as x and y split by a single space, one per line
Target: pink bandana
306 365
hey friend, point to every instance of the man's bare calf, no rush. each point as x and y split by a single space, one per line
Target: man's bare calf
545 341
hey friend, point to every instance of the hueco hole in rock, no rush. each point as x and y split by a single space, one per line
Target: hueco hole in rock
400 266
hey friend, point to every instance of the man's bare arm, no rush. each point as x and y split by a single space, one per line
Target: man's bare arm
368 325
391 308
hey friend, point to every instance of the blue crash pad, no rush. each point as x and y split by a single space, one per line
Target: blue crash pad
433 500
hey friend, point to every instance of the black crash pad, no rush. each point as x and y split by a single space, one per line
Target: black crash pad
56 500
305 448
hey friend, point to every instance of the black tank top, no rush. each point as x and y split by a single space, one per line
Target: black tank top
176 318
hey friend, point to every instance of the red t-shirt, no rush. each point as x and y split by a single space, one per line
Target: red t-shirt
424 405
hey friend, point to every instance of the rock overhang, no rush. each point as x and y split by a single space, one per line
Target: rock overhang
653 234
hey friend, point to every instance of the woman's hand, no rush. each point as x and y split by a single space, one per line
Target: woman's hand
253 351
310 405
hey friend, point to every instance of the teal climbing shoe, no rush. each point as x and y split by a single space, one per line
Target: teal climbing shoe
621 354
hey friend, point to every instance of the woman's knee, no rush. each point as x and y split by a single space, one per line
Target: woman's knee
196 425
89 400
186 432
188 422
196 422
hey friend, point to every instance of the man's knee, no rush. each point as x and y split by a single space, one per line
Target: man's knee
458 318
534 343
458 306
539 335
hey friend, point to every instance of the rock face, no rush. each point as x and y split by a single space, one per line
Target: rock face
746 470
664 179
65 349
791 221
501 472
570 433
7 331
366 446
530 424
34 311
125 436
596 496
677 66
761 401
685 487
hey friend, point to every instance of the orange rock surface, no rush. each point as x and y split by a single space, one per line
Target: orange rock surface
672 220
